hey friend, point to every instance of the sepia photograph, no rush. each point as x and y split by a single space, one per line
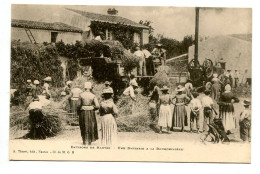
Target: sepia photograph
130 83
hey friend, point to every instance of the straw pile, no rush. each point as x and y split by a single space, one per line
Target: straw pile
139 120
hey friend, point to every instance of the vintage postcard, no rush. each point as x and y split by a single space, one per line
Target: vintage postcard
124 83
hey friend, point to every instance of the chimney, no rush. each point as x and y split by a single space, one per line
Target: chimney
112 11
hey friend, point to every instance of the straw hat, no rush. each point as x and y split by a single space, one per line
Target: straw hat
47 79
246 103
36 82
107 91
179 88
88 85
228 87
164 88
29 81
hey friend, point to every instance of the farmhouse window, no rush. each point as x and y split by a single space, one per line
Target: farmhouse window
54 37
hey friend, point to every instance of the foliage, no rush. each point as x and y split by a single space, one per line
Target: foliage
35 62
122 33
94 48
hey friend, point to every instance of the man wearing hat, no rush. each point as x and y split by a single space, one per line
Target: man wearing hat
107 86
88 104
142 67
245 122
160 52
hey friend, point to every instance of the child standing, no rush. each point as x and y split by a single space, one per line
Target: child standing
195 107
245 122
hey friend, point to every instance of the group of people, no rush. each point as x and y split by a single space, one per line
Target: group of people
84 103
146 66
186 99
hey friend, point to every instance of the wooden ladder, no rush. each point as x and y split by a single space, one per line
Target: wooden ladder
30 36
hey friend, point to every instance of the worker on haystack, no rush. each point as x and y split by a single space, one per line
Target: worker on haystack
148 62
74 100
88 104
36 89
160 52
141 69
130 92
107 86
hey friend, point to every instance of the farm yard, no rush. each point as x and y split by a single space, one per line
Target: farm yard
115 57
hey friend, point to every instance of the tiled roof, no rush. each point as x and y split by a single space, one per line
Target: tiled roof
44 25
108 18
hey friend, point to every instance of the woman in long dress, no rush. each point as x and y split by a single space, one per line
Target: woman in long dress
180 113
245 122
165 115
108 111
226 109
88 103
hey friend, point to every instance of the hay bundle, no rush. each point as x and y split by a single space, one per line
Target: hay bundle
139 120
160 79
46 125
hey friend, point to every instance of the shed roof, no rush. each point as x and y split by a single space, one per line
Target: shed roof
108 18
58 26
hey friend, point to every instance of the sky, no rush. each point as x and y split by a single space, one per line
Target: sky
172 22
